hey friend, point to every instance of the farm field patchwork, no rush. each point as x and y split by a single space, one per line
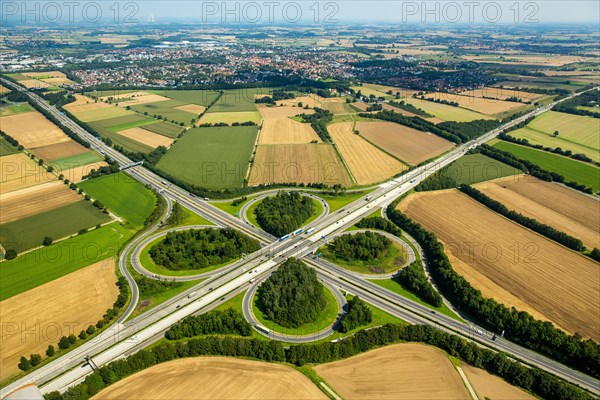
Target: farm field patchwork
6 148
474 168
6 110
229 117
77 173
32 129
125 142
572 128
101 113
17 171
286 130
335 106
40 266
167 109
512 264
236 100
164 128
502 94
60 150
211 377
492 107
408 144
547 140
311 100
572 170
199 97
145 137
34 200
123 195
367 163
447 113
552 204
80 298
57 223
281 111
402 371
216 158
302 163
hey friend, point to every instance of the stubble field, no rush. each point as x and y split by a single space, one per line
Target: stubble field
146 137
478 104
81 297
367 163
447 113
32 130
512 264
409 145
488 386
402 371
212 378
286 131
17 171
552 204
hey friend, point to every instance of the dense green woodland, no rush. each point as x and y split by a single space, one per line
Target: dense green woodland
358 314
292 295
537 381
364 246
201 248
229 321
413 279
284 212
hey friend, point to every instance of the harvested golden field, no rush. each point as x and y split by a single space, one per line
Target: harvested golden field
214 378
4 90
34 84
146 137
408 144
552 204
84 103
281 111
286 131
81 297
57 81
76 174
311 100
401 371
192 108
488 386
135 98
45 75
302 163
35 199
367 163
335 105
17 171
512 264
32 129
502 94
477 104
545 60
58 150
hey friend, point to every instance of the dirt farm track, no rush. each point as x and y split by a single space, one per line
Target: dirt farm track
212 378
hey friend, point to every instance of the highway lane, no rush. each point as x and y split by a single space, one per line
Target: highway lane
382 196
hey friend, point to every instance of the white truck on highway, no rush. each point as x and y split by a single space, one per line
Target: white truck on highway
191 295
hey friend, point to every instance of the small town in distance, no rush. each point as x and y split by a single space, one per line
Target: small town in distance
299 200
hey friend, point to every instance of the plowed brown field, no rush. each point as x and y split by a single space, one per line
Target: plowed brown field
55 151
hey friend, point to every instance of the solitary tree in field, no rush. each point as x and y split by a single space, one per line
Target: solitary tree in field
47 241
50 351
555 134
10 254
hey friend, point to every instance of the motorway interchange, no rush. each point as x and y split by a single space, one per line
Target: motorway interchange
127 336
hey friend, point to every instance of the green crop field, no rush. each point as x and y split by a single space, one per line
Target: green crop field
571 128
238 100
199 97
544 139
132 124
29 232
231 117
43 265
15 109
447 113
337 202
595 110
388 263
127 120
76 160
475 168
103 114
216 158
571 169
164 128
123 195
6 148
166 109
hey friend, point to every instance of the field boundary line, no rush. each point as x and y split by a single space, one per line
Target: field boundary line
466 382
